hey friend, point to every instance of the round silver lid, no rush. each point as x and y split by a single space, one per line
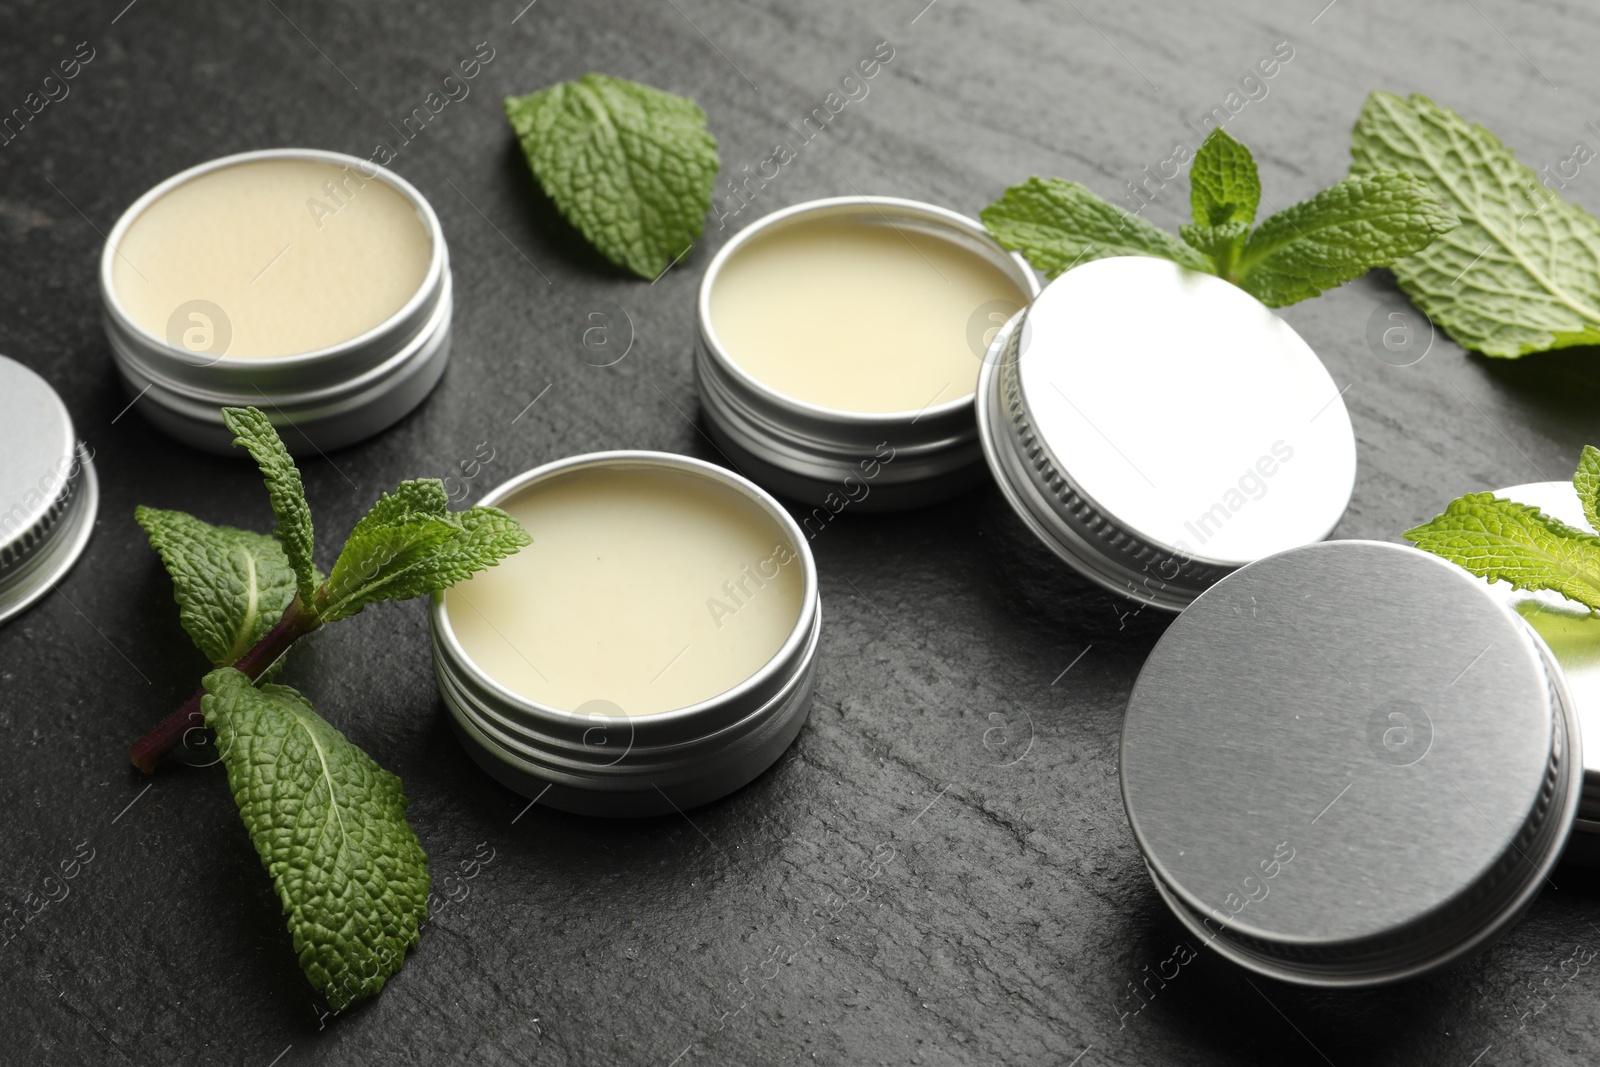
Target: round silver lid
1572 632
1159 428
1348 763
48 491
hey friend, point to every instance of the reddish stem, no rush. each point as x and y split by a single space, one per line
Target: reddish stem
294 624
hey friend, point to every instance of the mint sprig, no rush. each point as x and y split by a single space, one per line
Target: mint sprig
330 827
1502 540
328 823
1522 272
1318 244
631 167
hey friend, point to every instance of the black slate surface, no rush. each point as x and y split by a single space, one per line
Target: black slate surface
956 785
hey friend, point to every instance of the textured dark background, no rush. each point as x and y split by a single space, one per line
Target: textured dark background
1014 912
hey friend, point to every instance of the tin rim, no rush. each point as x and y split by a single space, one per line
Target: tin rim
425 289
843 205
799 634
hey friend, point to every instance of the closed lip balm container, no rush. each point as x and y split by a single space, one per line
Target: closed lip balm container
839 348
1157 428
654 647
1350 763
49 493
312 285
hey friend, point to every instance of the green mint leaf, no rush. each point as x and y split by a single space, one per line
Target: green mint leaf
231 585
409 545
1338 235
1223 183
1586 480
418 498
630 166
1058 224
1222 242
255 432
487 536
1522 272
330 827
1504 541
386 562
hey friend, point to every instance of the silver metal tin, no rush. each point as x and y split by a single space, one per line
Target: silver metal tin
320 400
1349 764
813 454
1572 633
1158 428
48 490
622 765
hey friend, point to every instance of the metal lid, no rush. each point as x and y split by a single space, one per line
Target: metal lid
1158 428
1348 763
48 491
1572 632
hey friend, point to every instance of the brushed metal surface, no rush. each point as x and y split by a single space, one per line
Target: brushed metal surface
1345 750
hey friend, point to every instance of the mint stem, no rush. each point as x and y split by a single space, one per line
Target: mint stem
295 623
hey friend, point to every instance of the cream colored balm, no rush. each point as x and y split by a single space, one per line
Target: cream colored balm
858 315
644 590
271 258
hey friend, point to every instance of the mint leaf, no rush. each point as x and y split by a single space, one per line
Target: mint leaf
1505 541
409 545
1586 480
330 827
630 166
231 585
255 432
412 499
1522 272
487 536
1058 224
1222 243
1337 235
1223 184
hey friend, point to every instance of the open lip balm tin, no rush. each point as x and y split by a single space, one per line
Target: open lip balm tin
634 554
839 347
48 490
1157 428
362 301
1350 763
